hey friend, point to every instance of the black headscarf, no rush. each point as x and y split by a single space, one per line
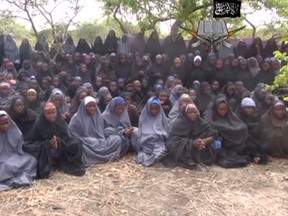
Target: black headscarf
69 151
24 50
111 43
25 120
179 144
153 46
83 46
98 46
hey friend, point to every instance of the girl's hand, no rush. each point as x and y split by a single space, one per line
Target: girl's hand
54 143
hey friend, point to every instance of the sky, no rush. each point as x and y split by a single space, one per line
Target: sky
92 11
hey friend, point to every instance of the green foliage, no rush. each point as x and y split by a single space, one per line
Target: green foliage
280 84
9 25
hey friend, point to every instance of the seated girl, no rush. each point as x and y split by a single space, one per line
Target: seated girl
58 98
232 134
33 101
179 106
88 126
17 168
165 102
191 140
176 92
50 143
23 117
248 114
274 130
151 134
6 95
117 122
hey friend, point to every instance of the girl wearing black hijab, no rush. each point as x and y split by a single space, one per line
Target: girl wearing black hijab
266 75
98 46
24 50
232 134
270 47
110 43
241 49
153 46
23 117
50 143
190 141
256 48
83 46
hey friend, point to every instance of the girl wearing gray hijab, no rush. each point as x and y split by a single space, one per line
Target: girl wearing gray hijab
88 126
17 168
152 133
10 48
117 122
58 98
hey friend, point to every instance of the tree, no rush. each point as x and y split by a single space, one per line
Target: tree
30 10
149 13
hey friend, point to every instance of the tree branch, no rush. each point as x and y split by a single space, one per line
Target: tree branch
253 27
124 30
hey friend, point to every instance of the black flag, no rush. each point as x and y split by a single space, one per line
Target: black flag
226 8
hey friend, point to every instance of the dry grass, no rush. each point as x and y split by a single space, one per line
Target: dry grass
124 188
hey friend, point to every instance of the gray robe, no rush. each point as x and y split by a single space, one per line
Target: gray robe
16 167
115 125
90 130
64 108
151 136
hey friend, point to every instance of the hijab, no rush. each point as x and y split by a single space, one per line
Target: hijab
230 127
174 96
7 99
64 107
114 120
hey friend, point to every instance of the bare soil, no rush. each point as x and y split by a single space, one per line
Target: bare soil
125 188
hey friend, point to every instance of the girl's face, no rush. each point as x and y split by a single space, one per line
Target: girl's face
121 83
269 99
215 86
4 91
231 90
24 90
31 96
193 94
180 91
239 86
33 84
91 108
137 87
144 83
280 111
235 63
128 100
163 96
4 123
50 115
58 100
55 82
19 106
192 113
184 102
222 109
84 69
276 65
207 90
82 95
10 76
265 66
45 84
99 81
108 99
219 64
45 67
119 110
197 63
154 110
113 86
249 111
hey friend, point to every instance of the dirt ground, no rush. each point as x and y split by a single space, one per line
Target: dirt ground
125 188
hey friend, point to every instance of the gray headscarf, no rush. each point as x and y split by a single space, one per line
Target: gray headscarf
90 130
17 168
64 108
114 120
